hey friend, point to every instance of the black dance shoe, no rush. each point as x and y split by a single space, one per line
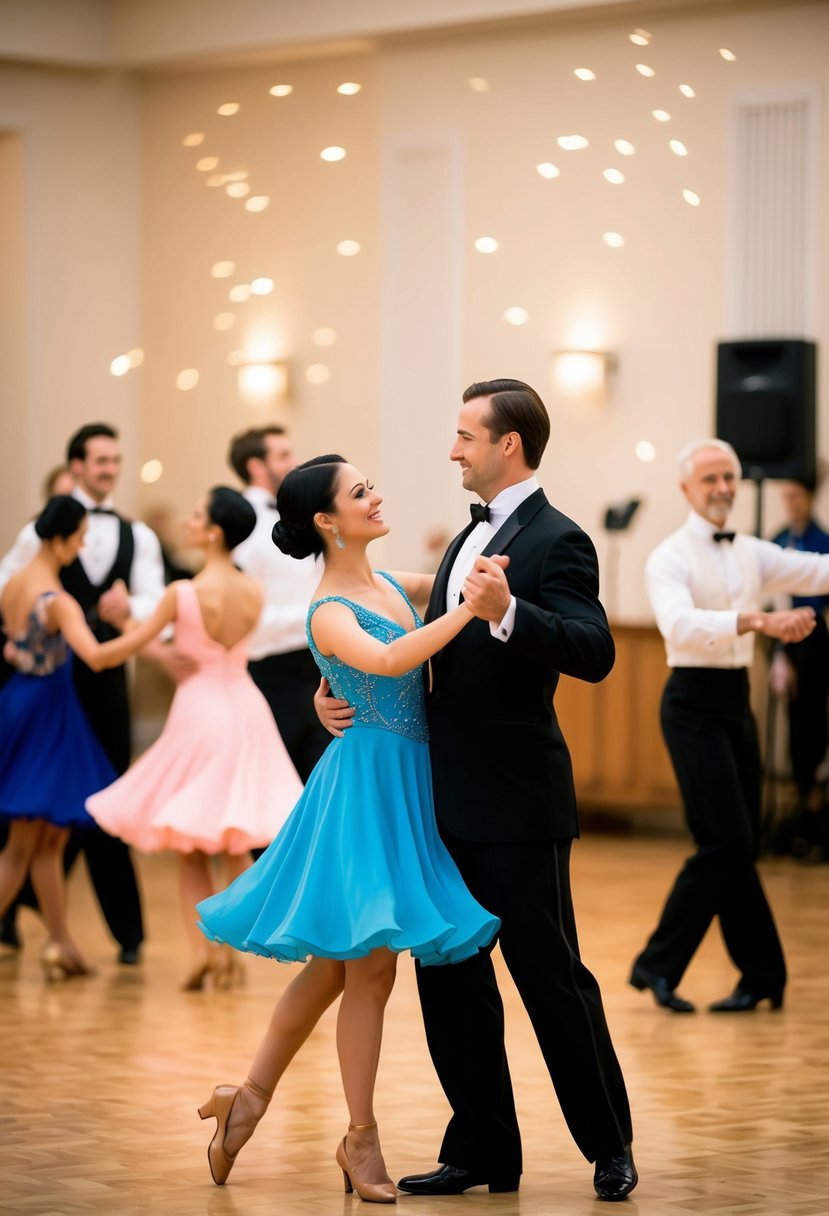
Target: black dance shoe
447 1180
615 1177
129 956
663 994
9 935
742 1001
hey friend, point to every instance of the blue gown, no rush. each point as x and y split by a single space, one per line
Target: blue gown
359 863
50 758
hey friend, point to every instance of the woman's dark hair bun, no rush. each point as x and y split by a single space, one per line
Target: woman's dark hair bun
307 489
231 512
61 516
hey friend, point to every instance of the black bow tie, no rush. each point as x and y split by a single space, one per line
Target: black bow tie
101 511
479 513
729 536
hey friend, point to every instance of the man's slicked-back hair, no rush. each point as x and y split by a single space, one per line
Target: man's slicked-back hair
76 447
515 406
250 445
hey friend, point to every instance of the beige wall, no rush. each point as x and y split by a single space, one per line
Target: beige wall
77 172
121 232
659 303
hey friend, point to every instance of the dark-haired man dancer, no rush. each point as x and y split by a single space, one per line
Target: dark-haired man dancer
280 661
119 569
506 808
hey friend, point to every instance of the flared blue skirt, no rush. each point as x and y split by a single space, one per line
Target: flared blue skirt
358 864
50 758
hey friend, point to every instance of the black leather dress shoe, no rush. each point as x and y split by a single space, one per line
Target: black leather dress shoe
447 1180
742 1001
663 994
615 1177
128 956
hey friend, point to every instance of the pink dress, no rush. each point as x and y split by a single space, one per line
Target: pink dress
218 778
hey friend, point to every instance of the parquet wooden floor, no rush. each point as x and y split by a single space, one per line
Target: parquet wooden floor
100 1078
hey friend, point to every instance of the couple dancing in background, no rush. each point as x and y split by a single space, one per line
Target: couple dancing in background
368 865
218 781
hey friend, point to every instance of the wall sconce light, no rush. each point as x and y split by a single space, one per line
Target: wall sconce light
582 373
263 382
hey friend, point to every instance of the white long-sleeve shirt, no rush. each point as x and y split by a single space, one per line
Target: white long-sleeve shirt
698 587
98 554
287 584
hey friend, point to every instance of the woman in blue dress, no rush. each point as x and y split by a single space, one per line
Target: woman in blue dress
50 758
358 872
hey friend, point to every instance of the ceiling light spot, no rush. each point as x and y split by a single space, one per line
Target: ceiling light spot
614 176
686 90
645 451
239 293
228 108
193 140
516 316
262 287
120 365
478 84
644 70
584 74
317 373
151 471
281 90
692 199
640 37
187 379
237 189
348 249
486 244
136 357
207 163
729 56
678 147
333 153
258 202
624 147
572 143
545 169
349 88
661 115
613 239
222 270
224 320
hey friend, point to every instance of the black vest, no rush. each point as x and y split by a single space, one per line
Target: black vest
76 582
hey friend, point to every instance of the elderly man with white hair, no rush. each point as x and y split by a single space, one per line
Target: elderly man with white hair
706 586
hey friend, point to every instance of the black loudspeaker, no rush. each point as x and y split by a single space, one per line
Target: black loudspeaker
766 406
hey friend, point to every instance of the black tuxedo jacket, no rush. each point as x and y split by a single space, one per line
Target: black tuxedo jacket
501 767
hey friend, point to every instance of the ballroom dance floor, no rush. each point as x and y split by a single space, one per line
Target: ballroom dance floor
100 1077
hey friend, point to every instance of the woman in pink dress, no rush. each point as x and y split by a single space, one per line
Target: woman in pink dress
218 782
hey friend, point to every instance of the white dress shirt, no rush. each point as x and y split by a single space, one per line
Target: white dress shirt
500 509
146 583
288 584
698 587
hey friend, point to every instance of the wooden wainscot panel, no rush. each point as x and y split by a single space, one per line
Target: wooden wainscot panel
613 731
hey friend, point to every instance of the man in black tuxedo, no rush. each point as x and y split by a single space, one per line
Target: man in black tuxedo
506 807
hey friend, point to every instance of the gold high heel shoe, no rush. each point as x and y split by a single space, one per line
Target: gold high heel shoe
228 971
370 1192
195 977
219 1105
57 967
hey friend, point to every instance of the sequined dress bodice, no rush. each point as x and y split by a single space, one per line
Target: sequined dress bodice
394 703
38 652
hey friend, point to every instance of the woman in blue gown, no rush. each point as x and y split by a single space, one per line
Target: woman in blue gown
358 872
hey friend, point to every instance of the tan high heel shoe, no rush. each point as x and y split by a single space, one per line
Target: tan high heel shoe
193 981
219 1105
228 972
370 1192
58 967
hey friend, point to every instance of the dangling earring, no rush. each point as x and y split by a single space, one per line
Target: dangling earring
338 540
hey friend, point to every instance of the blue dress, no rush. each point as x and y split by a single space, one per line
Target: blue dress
50 758
359 863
